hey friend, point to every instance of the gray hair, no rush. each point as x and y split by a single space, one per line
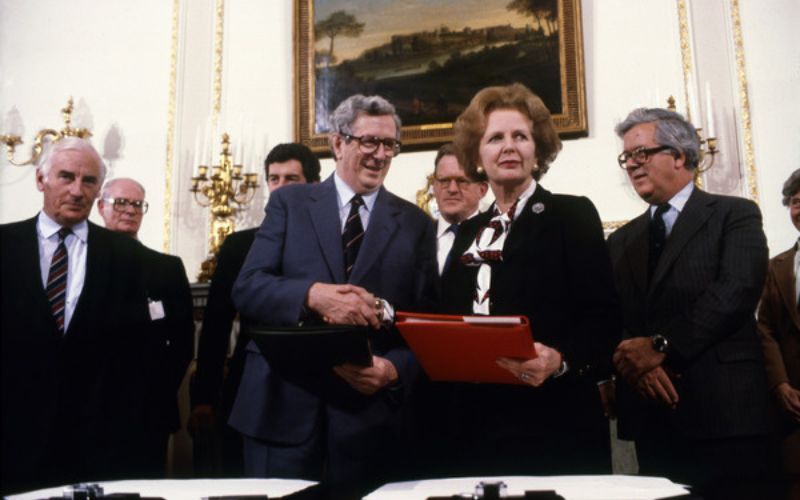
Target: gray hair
791 187
108 185
347 112
672 130
69 143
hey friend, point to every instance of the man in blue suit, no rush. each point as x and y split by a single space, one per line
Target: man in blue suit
345 251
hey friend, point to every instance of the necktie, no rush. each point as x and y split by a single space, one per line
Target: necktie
658 236
453 229
57 279
353 234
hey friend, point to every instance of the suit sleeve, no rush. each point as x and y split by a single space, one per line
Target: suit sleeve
597 324
261 292
768 313
730 300
182 328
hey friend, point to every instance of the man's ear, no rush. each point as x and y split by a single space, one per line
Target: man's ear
336 142
680 161
484 187
39 180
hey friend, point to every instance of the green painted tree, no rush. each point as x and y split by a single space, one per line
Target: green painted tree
544 12
339 23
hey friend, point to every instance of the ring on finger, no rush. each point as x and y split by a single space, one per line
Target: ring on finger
524 376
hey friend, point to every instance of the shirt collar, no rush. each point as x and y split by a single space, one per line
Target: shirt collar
679 200
48 227
442 225
346 193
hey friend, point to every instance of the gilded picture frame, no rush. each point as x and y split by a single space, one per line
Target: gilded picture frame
430 69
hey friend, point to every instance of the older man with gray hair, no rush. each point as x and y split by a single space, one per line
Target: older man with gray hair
170 334
689 272
71 306
345 251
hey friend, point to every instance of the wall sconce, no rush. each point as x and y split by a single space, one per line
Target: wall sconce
708 144
14 130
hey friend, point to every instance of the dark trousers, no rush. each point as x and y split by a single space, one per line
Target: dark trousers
730 468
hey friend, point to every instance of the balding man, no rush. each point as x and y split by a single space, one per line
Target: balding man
170 335
71 304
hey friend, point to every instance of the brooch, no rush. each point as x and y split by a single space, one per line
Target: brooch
537 208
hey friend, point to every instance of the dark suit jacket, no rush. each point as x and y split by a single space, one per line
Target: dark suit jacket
556 271
702 297
300 243
217 323
171 337
72 404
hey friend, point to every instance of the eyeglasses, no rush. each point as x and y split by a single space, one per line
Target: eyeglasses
444 182
640 156
122 204
368 144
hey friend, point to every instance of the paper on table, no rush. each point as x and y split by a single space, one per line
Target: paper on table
616 487
191 489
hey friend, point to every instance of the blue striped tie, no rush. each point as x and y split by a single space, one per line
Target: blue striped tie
57 279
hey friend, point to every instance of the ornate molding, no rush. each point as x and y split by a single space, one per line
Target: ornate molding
744 103
171 106
219 32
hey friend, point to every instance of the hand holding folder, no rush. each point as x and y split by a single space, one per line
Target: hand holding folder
466 348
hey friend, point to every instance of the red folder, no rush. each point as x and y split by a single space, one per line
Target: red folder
465 348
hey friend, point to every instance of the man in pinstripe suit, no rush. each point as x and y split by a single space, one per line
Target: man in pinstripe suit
689 272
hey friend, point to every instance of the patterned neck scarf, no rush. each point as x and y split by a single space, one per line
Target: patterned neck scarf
488 248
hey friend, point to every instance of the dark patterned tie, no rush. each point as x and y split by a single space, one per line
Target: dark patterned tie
57 279
658 236
353 234
453 229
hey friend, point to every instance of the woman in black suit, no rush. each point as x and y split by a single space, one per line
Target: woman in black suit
541 255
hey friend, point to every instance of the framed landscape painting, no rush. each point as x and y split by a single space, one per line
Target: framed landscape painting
429 57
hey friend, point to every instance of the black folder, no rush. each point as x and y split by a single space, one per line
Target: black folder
312 349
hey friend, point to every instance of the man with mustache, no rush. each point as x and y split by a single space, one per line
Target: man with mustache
689 272
345 251
457 198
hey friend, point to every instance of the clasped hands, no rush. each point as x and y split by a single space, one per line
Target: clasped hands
353 305
641 366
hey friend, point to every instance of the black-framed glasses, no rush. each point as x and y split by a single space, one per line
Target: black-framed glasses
122 204
444 182
368 144
640 156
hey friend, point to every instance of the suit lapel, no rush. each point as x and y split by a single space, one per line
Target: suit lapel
98 272
27 256
529 223
636 253
382 224
694 215
785 281
324 212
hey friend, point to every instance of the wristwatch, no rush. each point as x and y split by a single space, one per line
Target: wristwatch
661 343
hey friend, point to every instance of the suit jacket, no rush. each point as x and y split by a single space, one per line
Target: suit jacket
217 323
702 297
556 271
300 243
171 337
72 403
779 322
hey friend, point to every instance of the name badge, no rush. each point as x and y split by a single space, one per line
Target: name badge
156 309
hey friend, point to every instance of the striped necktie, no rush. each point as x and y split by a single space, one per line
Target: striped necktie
658 237
353 234
57 279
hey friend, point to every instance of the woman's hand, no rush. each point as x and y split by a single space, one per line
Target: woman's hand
534 371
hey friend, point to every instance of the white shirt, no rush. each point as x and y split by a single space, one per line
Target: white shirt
445 239
676 205
345 194
47 231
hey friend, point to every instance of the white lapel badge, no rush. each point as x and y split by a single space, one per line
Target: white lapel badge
537 208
